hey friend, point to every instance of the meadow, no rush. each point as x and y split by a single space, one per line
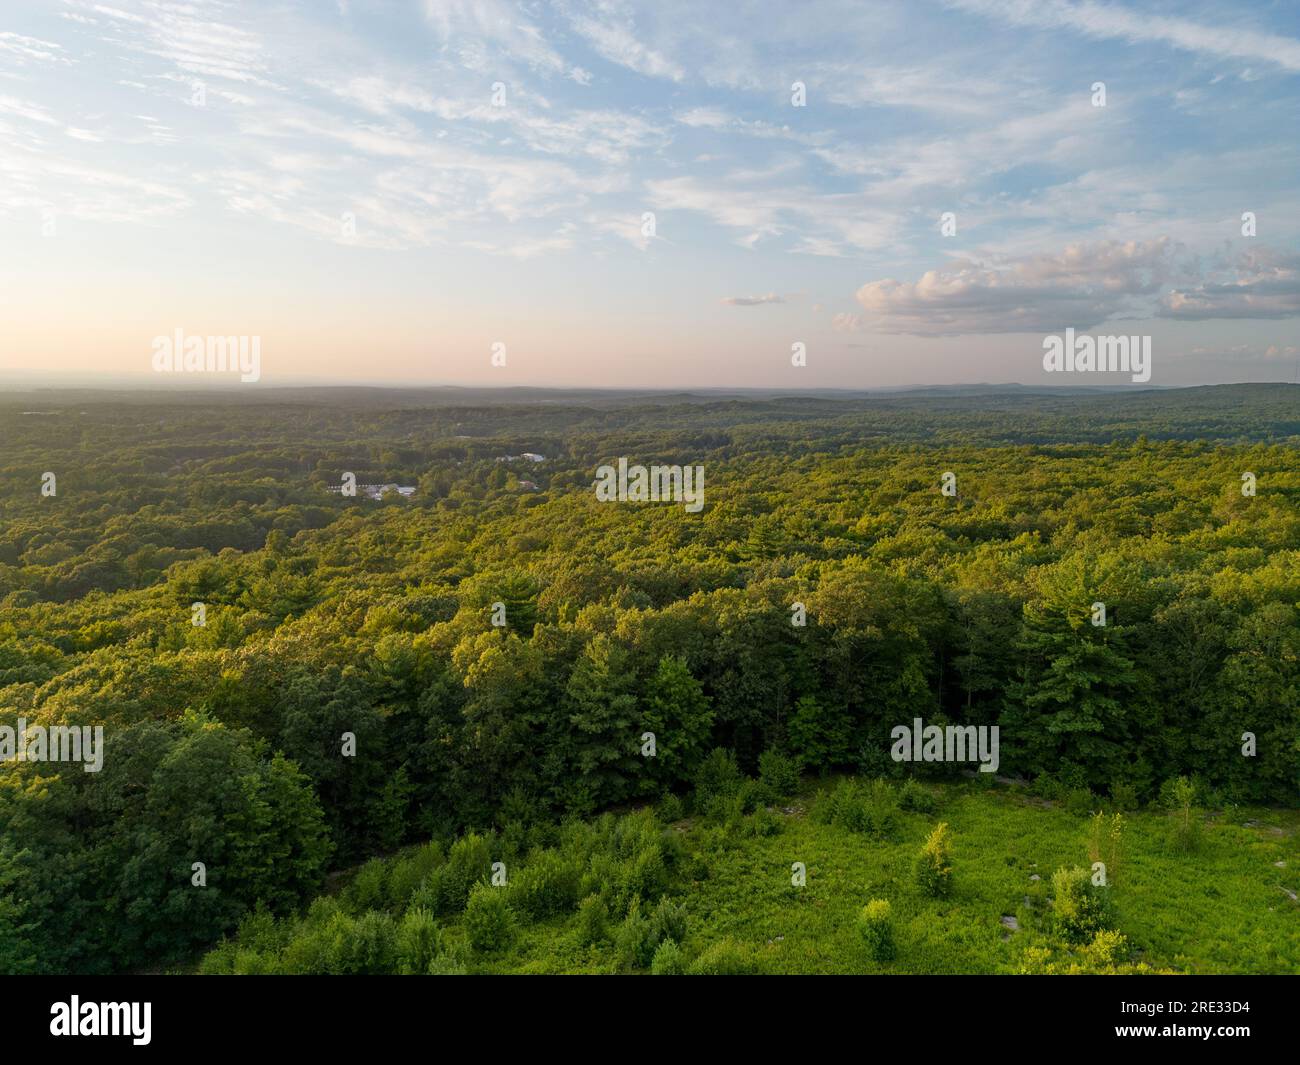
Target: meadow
1224 905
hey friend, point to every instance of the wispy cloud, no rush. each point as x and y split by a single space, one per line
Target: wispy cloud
1113 22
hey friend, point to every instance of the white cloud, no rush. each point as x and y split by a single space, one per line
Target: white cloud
476 29
614 37
1112 22
32 48
1081 286
1267 286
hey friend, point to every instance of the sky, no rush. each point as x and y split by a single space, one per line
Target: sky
666 194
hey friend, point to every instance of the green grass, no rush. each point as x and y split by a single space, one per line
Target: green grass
1219 909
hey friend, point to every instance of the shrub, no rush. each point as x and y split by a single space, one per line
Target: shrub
717 777
634 943
762 822
308 954
877 931
724 958
406 876
933 869
668 960
778 773
1105 842
252 963
367 890
671 809
646 875
220 961
366 946
668 921
1180 794
1080 801
593 920
871 810
1107 949
1124 796
882 809
546 886
917 798
419 941
751 796
489 921
640 935
1080 908
468 862
449 963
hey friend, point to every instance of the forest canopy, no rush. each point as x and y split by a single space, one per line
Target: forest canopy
326 616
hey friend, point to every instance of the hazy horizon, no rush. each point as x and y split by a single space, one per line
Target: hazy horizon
651 195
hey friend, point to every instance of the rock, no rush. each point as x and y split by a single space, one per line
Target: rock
1289 894
1280 865
1012 923
1035 877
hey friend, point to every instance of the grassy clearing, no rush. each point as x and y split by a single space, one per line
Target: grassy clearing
1220 908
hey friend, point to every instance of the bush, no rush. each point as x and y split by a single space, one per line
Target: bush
449 963
1124 796
406 876
419 941
778 773
718 777
468 862
1080 801
367 890
593 920
668 921
1180 795
645 875
489 921
671 809
762 822
871 810
364 947
1080 909
933 868
546 886
1106 843
724 958
668 959
1107 949
877 931
917 798
634 943
640 935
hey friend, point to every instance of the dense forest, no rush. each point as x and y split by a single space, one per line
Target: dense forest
292 681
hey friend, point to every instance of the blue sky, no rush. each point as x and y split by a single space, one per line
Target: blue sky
382 191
